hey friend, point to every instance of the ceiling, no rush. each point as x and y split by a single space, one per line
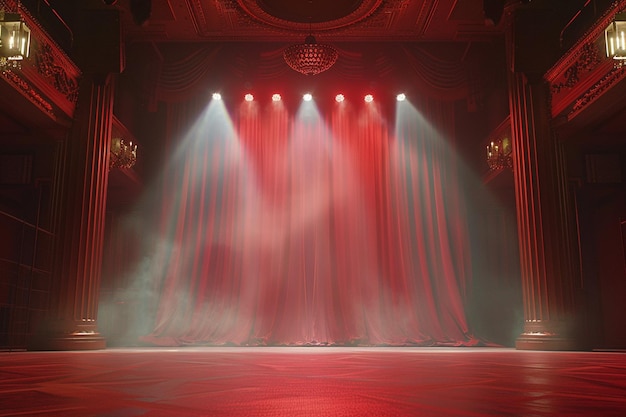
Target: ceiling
332 20
466 23
253 22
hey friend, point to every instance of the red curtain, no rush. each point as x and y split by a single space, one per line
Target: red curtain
337 225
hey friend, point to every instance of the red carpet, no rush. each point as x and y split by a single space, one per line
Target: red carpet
315 381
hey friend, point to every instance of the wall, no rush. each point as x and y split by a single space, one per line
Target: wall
26 242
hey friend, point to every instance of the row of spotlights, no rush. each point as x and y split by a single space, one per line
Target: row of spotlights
308 97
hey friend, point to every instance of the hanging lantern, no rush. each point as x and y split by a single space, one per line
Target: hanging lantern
14 40
615 38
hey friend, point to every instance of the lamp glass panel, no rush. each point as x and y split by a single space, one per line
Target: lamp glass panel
14 37
615 39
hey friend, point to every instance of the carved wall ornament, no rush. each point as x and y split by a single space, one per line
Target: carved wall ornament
604 84
34 96
50 77
587 60
50 68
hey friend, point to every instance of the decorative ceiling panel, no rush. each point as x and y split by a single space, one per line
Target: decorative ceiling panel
286 20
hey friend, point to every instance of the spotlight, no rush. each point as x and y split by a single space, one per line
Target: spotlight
307 97
369 98
249 97
339 98
401 97
217 96
276 97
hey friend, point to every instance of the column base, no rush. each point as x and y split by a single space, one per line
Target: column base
60 334
552 335
545 341
78 341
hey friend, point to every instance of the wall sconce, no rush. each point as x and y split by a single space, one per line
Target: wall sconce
14 40
615 37
499 154
123 155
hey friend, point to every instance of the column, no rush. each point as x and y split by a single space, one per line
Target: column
546 258
80 201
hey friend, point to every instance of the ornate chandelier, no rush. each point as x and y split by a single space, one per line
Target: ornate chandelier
123 155
310 57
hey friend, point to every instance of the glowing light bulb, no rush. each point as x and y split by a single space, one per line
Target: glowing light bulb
401 97
217 96
249 97
339 98
369 98
307 97
276 97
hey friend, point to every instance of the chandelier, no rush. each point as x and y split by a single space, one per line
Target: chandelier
123 155
14 40
310 57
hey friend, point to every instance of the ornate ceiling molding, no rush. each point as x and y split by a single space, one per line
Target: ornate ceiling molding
243 18
363 11
198 17
287 21
426 14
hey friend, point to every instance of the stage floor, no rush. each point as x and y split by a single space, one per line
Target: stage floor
312 381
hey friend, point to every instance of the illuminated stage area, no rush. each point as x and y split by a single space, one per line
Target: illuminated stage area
312 381
334 220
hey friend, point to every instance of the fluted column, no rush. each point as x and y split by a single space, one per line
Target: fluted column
80 201
545 241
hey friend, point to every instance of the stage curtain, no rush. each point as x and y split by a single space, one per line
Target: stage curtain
334 225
